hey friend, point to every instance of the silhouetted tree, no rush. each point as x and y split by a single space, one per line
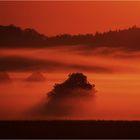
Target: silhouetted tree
75 81
12 36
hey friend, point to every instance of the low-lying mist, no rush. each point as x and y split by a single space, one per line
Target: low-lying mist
63 108
115 73
68 99
117 98
70 59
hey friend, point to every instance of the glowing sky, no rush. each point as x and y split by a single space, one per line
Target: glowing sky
55 17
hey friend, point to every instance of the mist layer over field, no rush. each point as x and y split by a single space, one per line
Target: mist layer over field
115 73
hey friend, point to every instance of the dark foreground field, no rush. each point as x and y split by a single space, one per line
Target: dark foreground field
69 129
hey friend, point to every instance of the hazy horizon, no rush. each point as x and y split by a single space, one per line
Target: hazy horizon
34 69
72 17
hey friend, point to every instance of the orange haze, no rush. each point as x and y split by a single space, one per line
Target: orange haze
56 17
116 73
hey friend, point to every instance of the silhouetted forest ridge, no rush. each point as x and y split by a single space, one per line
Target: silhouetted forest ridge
12 36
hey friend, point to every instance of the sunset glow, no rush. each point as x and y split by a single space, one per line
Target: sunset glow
88 47
74 17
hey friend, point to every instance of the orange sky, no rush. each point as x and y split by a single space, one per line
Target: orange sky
55 17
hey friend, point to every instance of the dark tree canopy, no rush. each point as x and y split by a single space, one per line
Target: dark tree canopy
75 81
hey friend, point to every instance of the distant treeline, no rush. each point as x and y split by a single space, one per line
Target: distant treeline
12 36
